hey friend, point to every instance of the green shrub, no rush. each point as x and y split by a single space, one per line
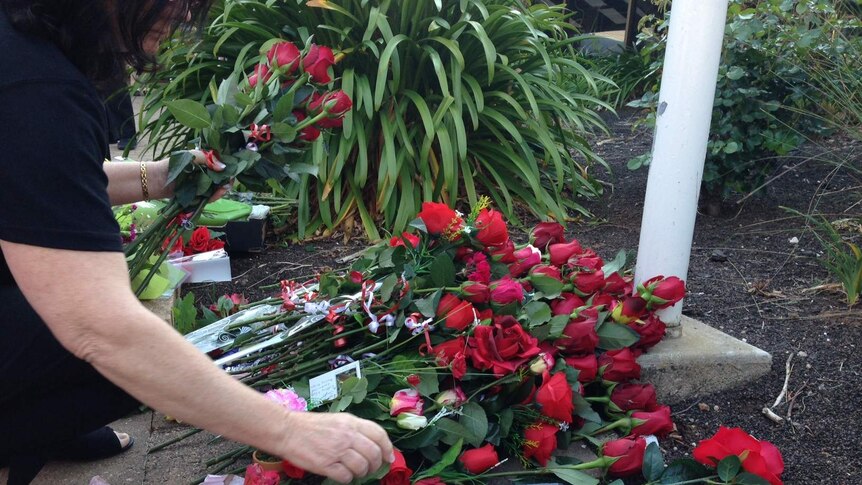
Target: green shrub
763 94
452 99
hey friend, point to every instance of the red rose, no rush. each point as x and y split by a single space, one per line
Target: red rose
630 397
491 228
478 460
547 270
561 252
617 285
291 470
504 254
339 104
215 244
430 481
309 133
555 398
475 292
587 366
619 365
200 240
525 258
439 218
458 313
502 347
589 260
546 233
540 440
760 458
630 454
566 304
453 354
255 475
398 474
602 300
579 335
662 292
588 282
655 422
628 310
317 63
506 291
261 72
284 54
479 269
651 332
396 241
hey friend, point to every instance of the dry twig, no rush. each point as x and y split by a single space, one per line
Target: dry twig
768 411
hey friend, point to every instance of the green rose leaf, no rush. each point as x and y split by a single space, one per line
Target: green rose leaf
613 336
728 467
574 477
475 421
443 270
190 113
653 465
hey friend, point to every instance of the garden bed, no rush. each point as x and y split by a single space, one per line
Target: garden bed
746 278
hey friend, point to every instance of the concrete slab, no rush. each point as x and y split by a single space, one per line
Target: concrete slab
702 361
126 468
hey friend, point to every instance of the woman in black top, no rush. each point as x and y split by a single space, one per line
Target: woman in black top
77 349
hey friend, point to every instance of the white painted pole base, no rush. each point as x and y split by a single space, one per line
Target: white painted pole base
679 151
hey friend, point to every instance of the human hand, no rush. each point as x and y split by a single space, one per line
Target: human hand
210 161
339 446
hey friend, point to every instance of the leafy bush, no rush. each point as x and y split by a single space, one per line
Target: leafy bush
452 99
763 90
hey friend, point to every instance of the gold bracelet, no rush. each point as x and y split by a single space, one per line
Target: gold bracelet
144 187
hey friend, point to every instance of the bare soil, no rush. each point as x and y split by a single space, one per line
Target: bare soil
754 273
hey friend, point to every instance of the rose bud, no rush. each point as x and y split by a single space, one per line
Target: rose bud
619 365
540 441
504 254
661 292
587 282
546 233
453 397
396 241
588 260
656 422
561 252
547 270
414 380
439 218
406 401
261 72
284 55
475 292
291 470
411 421
555 398
630 397
317 63
617 285
543 363
603 300
399 473
479 460
336 103
256 475
579 337
309 133
491 228
651 331
629 310
587 366
525 258
759 458
458 314
629 452
505 291
566 304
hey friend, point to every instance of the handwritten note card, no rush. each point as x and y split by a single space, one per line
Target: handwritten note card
325 387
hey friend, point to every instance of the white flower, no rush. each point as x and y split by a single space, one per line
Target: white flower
411 421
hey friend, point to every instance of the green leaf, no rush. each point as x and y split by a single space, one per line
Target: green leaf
452 431
283 108
178 163
746 478
584 410
387 286
683 470
475 421
537 312
448 458
549 286
617 264
558 324
728 467
184 313
735 73
443 270
190 113
613 336
653 465
428 306
574 477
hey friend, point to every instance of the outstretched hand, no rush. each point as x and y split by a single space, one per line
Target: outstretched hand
216 165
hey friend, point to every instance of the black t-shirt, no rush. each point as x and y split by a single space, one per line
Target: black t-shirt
53 141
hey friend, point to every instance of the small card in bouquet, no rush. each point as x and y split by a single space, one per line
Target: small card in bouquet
325 386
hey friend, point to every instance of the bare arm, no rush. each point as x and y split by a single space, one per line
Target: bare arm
104 324
124 181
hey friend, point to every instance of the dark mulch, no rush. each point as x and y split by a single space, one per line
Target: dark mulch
746 278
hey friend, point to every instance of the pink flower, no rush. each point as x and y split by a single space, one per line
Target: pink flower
288 399
506 291
406 401
453 397
525 259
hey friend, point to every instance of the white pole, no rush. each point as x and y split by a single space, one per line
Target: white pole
679 149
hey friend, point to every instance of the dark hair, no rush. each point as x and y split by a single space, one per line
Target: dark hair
84 30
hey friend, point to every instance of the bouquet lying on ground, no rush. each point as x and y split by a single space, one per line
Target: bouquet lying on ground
252 132
471 351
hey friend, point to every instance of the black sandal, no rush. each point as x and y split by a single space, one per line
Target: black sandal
96 445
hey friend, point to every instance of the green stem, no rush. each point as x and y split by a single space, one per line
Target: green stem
174 440
423 291
600 462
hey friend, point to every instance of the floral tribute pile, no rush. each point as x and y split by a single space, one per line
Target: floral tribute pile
474 351
252 131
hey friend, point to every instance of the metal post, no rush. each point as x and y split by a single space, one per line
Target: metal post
679 149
